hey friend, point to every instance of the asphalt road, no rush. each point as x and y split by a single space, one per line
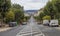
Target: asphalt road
12 32
49 31
31 29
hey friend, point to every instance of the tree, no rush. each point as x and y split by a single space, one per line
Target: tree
4 7
41 15
50 10
19 12
10 16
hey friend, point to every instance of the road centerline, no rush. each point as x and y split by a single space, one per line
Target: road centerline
31 29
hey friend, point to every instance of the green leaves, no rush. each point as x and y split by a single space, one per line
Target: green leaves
46 17
19 12
4 6
10 12
10 16
51 9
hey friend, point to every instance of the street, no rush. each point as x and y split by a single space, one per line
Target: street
31 29
12 32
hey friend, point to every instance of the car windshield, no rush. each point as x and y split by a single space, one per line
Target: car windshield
29 17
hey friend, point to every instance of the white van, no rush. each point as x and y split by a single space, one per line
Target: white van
46 22
54 23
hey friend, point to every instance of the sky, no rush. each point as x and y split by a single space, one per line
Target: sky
31 4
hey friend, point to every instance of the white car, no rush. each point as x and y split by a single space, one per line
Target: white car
54 23
46 22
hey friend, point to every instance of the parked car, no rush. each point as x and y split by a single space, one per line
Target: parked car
46 22
24 23
54 23
12 24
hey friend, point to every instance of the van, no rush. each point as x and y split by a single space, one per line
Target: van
54 23
46 22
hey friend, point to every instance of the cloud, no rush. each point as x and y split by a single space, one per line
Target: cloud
31 4
41 1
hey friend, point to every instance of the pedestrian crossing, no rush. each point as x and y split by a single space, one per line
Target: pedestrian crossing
30 30
30 34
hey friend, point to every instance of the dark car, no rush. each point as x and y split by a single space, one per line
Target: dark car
12 24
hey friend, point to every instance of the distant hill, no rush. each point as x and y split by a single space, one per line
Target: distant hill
31 10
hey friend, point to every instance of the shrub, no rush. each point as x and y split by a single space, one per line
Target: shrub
46 17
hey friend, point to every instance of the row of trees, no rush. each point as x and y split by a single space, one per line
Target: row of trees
50 11
11 12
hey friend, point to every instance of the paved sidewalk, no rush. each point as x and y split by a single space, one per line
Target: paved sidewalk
5 29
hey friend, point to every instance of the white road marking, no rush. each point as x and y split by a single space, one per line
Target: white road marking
32 30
